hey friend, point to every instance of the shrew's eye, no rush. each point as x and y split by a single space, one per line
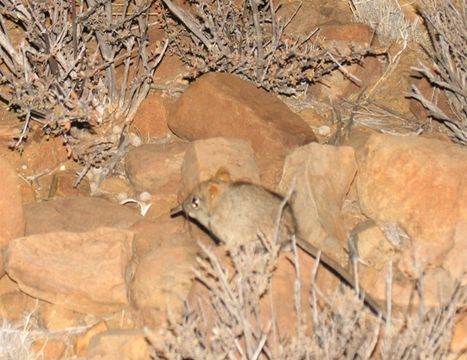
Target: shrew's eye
195 202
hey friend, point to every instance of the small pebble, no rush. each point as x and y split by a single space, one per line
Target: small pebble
324 130
122 196
144 196
117 130
135 140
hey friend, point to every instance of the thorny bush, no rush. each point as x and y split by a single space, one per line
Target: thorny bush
76 67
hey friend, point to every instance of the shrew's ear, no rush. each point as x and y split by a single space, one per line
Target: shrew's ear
214 192
222 175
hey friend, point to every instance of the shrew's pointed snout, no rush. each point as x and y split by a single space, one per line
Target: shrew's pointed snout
176 210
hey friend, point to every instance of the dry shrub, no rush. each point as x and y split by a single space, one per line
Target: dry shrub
61 72
248 38
343 328
446 21
388 19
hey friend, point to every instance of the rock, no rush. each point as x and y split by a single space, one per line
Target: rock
224 105
119 344
162 282
156 168
392 92
281 294
34 160
459 338
318 117
49 349
454 262
56 317
324 131
2 265
438 286
115 185
283 290
151 234
83 272
322 175
145 231
14 305
171 72
7 285
62 184
77 214
313 14
346 38
204 157
429 92
164 273
82 342
28 195
420 185
151 119
10 127
12 220
375 251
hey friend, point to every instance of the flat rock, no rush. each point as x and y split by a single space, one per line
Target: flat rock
12 220
204 157
62 184
77 214
224 105
119 344
84 272
420 185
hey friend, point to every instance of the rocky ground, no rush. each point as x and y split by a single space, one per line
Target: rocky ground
91 272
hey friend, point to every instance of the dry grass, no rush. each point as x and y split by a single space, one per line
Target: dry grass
388 19
343 327
15 342
17 339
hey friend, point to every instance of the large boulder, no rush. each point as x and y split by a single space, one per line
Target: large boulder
419 185
85 272
224 105
77 214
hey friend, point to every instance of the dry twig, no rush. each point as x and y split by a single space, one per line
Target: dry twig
447 25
